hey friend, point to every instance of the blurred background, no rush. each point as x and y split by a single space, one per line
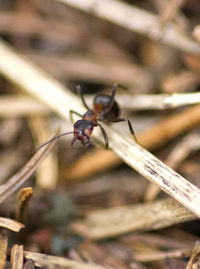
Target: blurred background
77 48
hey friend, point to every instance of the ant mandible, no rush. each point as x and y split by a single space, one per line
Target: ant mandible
105 109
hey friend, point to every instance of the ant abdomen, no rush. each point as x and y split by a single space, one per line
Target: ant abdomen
106 107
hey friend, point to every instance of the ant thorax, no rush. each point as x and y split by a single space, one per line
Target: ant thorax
90 116
98 109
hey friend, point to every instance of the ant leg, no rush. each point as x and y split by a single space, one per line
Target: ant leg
112 96
104 135
72 142
129 125
122 86
115 85
80 92
71 112
112 100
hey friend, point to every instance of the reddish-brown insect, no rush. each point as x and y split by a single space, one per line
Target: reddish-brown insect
105 109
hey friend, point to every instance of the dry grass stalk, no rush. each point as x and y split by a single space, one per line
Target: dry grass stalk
170 11
28 24
159 241
162 255
142 22
152 138
17 106
24 105
16 258
3 248
38 83
180 82
151 192
114 221
194 261
180 19
47 261
167 14
95 69
188 144
158 101
20 177
11 224
23 198
47 173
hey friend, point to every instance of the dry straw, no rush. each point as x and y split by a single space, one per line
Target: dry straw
25 105
103 223
158 101
48 261
137 20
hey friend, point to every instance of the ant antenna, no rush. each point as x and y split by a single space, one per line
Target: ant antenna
52 139
121 86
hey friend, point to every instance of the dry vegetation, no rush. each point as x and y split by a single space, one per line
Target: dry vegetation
94 208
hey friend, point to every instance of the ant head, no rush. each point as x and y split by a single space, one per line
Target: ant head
82 131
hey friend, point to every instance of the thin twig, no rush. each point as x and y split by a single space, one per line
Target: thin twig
3 248
24 105
48 261
17 106
162 255
158 101
138 20
36 82
47 173
188 144
22 175
170 11
182 81
10 224
180 18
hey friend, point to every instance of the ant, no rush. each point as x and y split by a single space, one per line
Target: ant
105 109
